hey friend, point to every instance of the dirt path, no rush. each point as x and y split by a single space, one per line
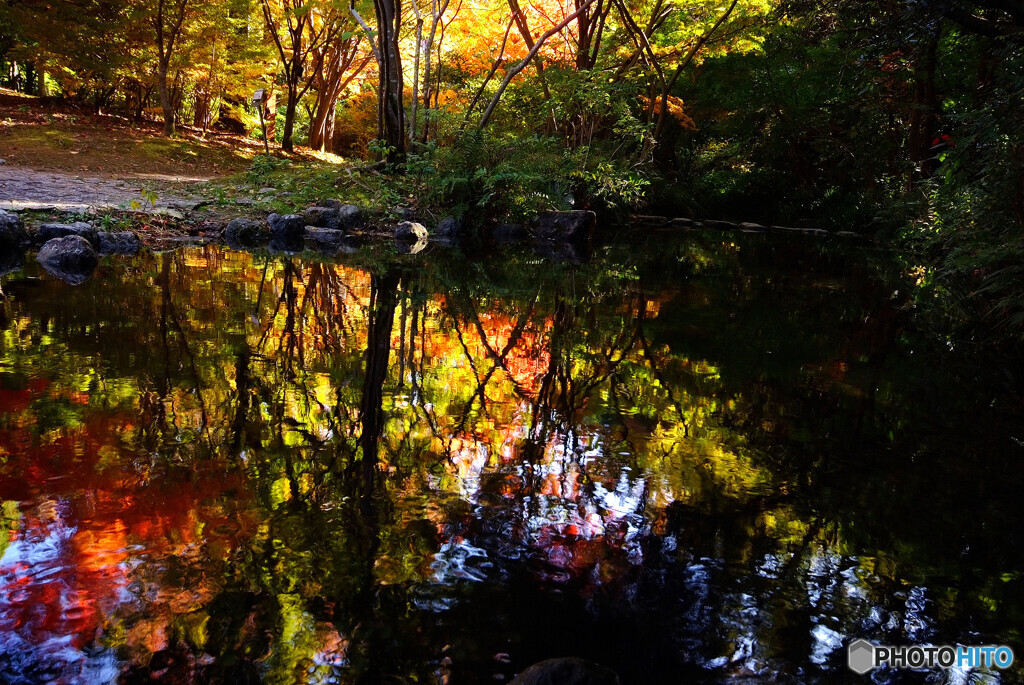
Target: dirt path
24 188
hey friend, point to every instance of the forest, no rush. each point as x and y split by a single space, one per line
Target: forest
899 119
302 380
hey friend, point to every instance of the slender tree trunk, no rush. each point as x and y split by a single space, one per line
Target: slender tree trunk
166 101
167 34
289 118
331 81
416 70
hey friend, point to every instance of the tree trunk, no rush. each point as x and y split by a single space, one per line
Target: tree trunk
289 118
391 110
335 60
923 114
318 130
167 35
165 102
321 127
416 70
384 300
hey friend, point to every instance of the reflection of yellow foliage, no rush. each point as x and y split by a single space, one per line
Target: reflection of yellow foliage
687 468
280 491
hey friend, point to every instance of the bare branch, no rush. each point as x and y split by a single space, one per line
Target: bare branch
369 33
529 57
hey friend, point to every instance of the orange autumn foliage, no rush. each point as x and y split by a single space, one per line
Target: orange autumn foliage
675 110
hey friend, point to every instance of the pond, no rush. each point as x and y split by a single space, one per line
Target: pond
722 460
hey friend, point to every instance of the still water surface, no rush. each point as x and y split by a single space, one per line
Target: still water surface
718 462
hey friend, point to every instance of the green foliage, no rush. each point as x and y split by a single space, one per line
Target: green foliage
263 167
482 176
113 223
608 188
973 234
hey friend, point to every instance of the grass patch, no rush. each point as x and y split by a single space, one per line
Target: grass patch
304 182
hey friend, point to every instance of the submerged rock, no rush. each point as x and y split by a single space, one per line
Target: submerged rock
567 671
121 242
573 226
12 230
71 258
245 233
48 232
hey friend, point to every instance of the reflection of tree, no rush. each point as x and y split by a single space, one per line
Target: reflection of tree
497 357
169 321
382 448
383 302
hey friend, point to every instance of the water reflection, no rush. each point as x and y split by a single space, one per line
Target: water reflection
722 461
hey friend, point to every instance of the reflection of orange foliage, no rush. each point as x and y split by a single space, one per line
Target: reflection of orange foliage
529 357
149 635
103 548
561 485
73 553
